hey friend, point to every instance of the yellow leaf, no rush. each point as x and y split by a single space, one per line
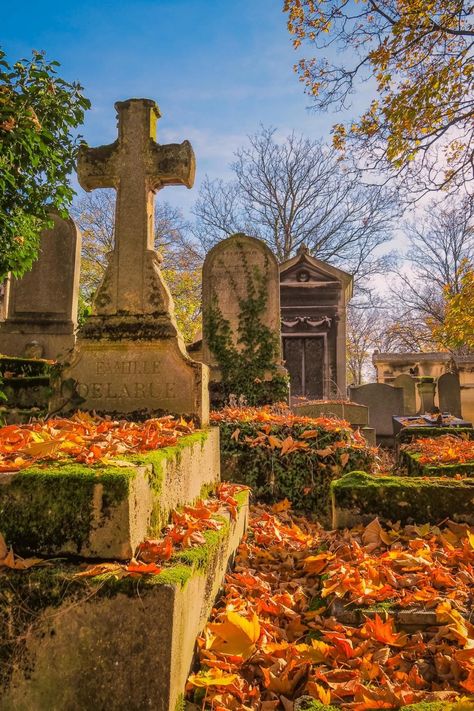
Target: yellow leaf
213 677
236 636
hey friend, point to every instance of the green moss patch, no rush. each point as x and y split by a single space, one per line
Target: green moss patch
410 461
405 499
21 367
49 506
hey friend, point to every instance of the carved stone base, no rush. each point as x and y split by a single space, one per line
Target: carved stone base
133 376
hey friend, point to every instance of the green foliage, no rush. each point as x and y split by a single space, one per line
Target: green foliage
247 359
302 476
38 109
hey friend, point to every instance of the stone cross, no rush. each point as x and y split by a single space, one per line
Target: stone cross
136 166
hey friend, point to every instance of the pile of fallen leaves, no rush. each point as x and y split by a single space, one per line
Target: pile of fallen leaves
447 449
272 638
86 439
282 455
280 415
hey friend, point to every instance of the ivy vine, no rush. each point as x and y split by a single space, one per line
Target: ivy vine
248 359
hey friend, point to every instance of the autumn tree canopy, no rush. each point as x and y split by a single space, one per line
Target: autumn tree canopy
419 54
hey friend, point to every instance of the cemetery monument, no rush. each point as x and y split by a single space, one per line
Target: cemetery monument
130 356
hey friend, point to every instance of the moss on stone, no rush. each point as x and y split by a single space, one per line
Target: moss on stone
406 499
25 594
24 366
51 505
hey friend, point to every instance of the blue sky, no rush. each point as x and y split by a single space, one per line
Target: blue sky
216 68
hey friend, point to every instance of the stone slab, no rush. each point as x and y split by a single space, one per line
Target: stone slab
104 512
383 401
449 394
41 307
128 645
352 412
412 618
357 498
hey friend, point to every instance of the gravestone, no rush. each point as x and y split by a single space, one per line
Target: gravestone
426 390
231 269
449 394
408 384
41 307
383 401
130 356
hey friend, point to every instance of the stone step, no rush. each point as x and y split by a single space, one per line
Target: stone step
27 392
408 619
97 643
358 497
105 511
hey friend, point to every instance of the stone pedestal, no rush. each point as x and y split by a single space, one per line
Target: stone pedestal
134 377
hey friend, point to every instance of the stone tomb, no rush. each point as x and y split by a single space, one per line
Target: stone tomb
314 297
98 644
130 356
41 307
227 270
105 512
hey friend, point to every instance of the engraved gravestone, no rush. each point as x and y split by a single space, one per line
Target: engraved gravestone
449 394
41 307
130 356
231 268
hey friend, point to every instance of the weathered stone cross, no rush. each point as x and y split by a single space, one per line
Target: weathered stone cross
136 166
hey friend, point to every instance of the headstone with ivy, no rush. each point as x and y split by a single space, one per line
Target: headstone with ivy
241 321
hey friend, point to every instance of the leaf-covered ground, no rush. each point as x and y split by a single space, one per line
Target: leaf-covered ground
86 439
272 638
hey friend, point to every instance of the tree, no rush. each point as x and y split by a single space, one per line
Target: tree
419 55
296 192
94 213
441 242
457 330
38 111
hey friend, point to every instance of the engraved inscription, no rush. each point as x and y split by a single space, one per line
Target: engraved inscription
118 391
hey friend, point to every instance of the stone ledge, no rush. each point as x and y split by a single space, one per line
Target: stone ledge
116 644
409 619
105 512
358 498
410 460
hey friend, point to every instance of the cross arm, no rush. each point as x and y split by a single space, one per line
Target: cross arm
96 167
172 164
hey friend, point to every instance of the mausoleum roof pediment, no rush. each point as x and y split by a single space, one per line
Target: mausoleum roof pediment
305 271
